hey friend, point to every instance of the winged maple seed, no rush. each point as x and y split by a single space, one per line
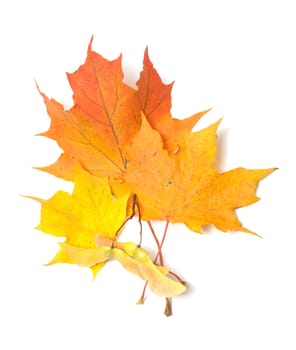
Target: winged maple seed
128 156
133 258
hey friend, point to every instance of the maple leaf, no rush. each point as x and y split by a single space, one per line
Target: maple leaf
155 101
184 186
89 210
103 120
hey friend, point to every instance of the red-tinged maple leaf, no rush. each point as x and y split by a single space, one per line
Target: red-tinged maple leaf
155 101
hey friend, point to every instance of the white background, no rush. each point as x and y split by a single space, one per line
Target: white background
235 56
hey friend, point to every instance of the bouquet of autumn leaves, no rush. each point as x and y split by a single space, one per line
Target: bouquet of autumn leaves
128 157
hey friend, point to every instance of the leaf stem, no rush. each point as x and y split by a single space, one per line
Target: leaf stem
178 278
163 237
157 243
168 301
168 307
134 206
142 298
139 220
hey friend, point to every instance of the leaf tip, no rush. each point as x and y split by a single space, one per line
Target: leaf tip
267 172
246 230
36 199
146 61
146 53
89 48
38 88
36 83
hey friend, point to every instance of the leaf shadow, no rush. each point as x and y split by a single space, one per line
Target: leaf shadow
208 229
221 152
131 75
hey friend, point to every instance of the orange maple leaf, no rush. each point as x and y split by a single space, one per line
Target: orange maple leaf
184 186
103 120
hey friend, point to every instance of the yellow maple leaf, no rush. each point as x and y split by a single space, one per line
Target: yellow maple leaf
91 209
